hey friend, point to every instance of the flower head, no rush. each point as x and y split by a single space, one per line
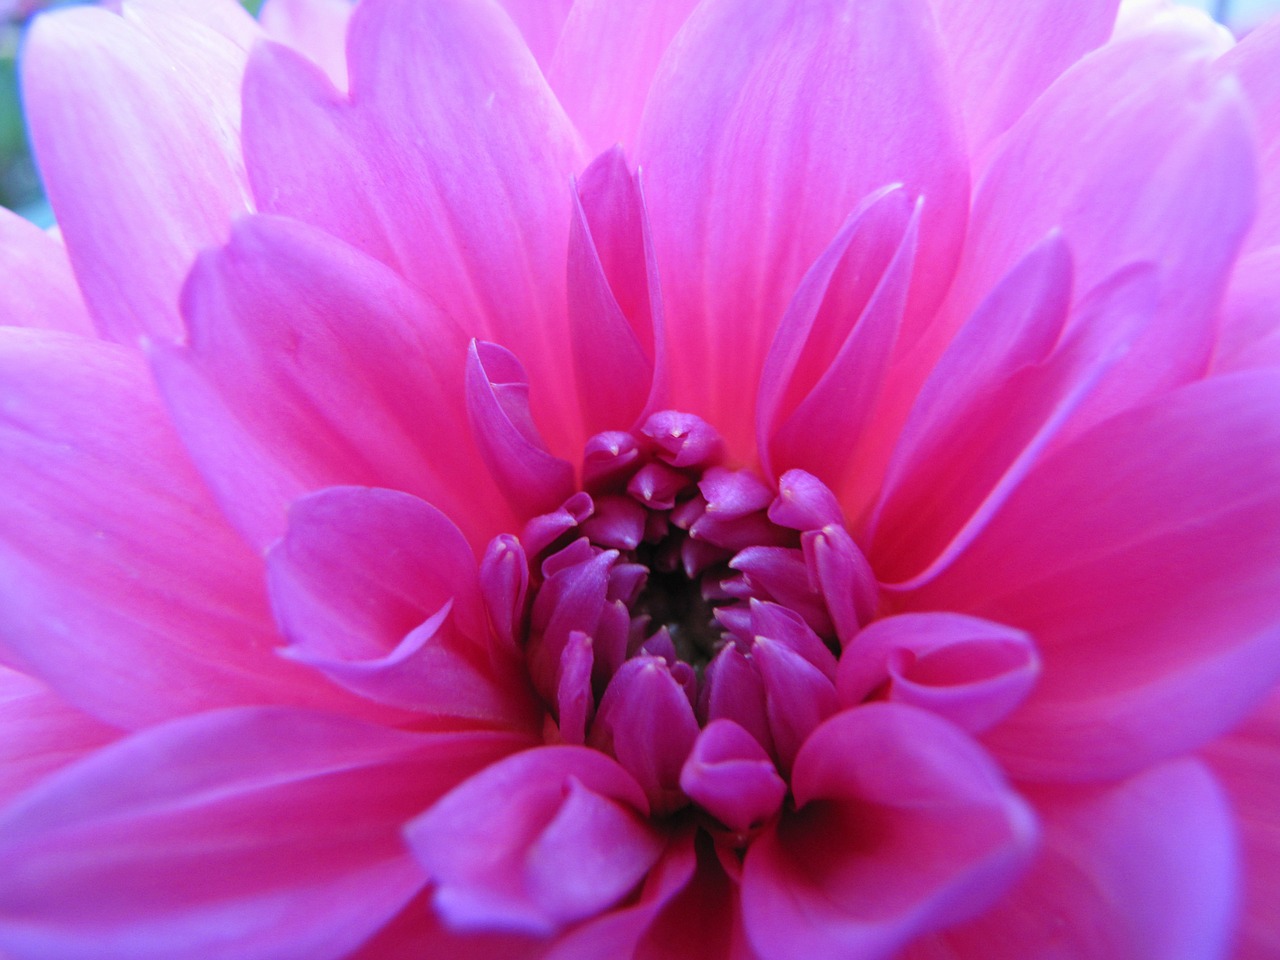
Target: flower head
634 480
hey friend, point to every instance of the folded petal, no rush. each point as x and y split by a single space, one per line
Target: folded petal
120 584
1002 57
380 592
139 148
1165 174
39 290
476 214
1145 560
764 128
545 838
902 825
311 365
1141 871
315 28
248 833
623 42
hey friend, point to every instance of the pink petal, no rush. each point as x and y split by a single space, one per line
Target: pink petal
418 932
545 838
533 480
730 776
380 592
1253 61
799 109
622 41
1165 175
477 214
1145 870
225 17
315 28
823 374
42 733
978 428
311 365
902 825
971 671
1250 334
39 289
1145 560
253 833
1002 57
120 584
610 311
109 106
540 23
1247 763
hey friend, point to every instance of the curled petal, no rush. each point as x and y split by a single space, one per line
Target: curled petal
730 776
902 826
543 839
971 671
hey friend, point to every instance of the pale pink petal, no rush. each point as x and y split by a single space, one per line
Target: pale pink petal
316 28
310 365
1247 763
159 18
380 592
120 584
540 23
1141 871
623 41
249 833
545 838
1253 61
41 733
1250 334
477 214
1165 174
139 149
1004 55
765 129
1145 561
39 290
903 825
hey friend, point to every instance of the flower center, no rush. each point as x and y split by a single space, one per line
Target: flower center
672 591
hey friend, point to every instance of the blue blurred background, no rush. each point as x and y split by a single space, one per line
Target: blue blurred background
20 184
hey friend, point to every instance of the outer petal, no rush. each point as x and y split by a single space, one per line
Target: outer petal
1142 871
1253 61
311 365
39 290
233 835
903 825
120 584
316 28
623 41
1165 174
140 152
40 732
1251 314
1003 56
1145 560
540 23
766 126
1247 762
477 213
380 592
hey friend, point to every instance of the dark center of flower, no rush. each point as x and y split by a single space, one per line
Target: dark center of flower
672 591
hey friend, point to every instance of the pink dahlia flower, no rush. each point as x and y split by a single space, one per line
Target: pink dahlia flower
841 521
